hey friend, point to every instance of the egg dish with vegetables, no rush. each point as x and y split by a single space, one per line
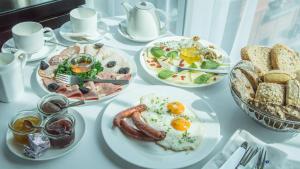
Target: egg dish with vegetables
185 53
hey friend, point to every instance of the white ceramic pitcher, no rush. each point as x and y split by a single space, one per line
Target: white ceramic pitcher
143 21
11 75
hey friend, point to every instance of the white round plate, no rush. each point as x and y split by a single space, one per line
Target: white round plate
177 38
122 29
66 29
132 65
39 55
50 153
148 154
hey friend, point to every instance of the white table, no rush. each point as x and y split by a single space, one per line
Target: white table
93 151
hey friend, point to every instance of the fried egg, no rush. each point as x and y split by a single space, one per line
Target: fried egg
183 129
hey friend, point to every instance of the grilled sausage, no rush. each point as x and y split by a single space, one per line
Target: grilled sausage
134 133
128 113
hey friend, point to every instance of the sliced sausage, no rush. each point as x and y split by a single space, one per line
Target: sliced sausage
128 113
145 128
134 133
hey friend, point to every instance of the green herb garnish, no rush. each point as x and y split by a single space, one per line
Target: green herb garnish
165 73
157 52
209 64
172 54
203 78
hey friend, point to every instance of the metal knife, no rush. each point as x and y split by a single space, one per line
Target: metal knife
235 158
118 82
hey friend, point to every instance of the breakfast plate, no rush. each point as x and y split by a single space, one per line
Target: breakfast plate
102 91
159 55
149 154
122 29
18 150
47 50
66 32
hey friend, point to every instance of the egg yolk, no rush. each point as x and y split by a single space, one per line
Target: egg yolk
175 107
180 124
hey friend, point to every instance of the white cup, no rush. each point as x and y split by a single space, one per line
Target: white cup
11 75
83 20
30 36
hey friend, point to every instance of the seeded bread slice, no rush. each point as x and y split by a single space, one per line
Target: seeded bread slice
259 56
271 93
293 93
242 86
284 58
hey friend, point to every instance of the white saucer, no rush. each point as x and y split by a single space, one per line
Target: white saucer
66 29
51 153
122 29
39 55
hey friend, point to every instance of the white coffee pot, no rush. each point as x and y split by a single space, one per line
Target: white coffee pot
143 21
11 75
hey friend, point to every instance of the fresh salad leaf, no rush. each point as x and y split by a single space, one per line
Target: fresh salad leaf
172 54
203 78
193 65
209 64
165 73
157 52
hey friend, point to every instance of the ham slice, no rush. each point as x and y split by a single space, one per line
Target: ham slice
104 89
62 87
65 54
113 76
92 94
72 92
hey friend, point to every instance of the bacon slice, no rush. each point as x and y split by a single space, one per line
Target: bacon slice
145 128
127 113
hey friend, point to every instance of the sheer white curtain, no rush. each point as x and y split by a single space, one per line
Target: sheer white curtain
174 11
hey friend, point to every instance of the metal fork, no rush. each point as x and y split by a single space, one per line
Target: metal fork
260 164
174 68
72 80
249 154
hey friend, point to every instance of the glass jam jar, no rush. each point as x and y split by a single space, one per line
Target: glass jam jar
18 128
53 104
60 129
81 63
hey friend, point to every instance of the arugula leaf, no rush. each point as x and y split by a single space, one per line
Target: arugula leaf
172 54
157 52
165 73
209 64
203 78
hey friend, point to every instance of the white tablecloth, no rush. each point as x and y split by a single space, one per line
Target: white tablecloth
94 153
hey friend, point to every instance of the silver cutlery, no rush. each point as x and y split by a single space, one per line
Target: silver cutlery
236 156
174 68
72 80
56 43
260 164
249 154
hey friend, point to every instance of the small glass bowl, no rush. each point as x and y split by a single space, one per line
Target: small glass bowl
20 137
81 63
60 140
49 97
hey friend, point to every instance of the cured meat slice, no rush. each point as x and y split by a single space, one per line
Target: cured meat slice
70 51
92 94
104 89
72 92
90 49
62 87
48 73
113 76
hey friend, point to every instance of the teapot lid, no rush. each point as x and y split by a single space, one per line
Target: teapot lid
145 5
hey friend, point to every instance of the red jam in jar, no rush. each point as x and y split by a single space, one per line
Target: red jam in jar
60 130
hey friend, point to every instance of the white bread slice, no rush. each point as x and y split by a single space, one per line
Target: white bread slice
293 93
259 56
242 86
278 76
271 93
284 58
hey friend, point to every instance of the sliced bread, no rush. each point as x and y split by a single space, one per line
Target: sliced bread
284 58
259 56
293 93
278 76
242 86
271 93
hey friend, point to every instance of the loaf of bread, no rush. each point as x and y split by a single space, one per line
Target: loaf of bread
270 93
284 58
278 76
293 93
259 56
242 86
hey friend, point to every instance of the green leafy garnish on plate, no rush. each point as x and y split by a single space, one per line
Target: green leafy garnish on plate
193 65
165 73
157 52
203 78
172 54
209 64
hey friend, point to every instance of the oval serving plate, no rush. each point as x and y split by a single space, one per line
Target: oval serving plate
154 75
120 52
51 153
148 154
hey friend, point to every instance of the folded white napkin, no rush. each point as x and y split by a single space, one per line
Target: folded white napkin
276 159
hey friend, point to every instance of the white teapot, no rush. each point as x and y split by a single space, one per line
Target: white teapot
143 21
